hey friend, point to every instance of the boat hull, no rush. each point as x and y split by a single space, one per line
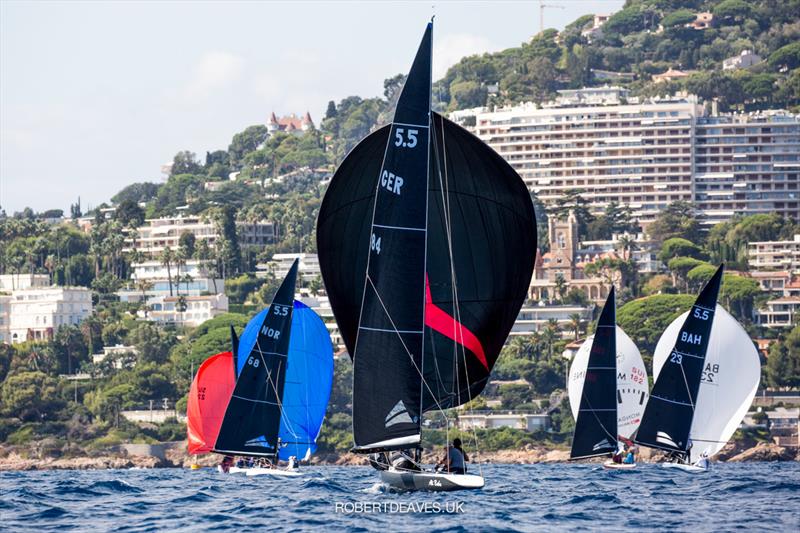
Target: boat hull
692 469
611 465
430 481
274 472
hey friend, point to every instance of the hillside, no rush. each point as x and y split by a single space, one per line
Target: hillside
646 37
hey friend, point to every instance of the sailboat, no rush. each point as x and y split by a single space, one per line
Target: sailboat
706 371
607 390
426 240
267 398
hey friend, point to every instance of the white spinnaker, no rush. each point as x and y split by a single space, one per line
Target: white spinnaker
730 379
632 385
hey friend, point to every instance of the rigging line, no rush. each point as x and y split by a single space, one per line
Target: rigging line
615 438
422 378
454 287
270 381
369 256
425 245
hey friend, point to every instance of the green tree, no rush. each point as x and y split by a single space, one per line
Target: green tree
129 214
31 396
185 163
645 319
678 219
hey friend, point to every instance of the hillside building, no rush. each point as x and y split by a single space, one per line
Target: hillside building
159 233
36 313
647 153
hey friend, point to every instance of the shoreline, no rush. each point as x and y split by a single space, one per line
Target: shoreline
178 458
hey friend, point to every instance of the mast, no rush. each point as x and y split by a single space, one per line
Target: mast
252 418
669 413
387 412
596 425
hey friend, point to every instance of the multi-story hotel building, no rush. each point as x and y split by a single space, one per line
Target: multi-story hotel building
160 233
594 140
747 164
647 153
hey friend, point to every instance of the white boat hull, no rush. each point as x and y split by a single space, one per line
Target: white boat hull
430 481
276 472
692 469
611 465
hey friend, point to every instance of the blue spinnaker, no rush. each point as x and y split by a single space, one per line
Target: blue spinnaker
309 374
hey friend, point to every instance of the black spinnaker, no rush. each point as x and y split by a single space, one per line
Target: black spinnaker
668 416
596 427
449 248
252 419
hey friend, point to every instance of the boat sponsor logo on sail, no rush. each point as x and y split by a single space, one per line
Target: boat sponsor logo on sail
399 415
602 444
665 438
260 442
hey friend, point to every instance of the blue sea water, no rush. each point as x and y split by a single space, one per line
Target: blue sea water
574 497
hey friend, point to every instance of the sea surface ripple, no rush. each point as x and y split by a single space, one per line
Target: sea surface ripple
575 497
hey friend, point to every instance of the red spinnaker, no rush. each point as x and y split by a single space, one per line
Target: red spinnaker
208 398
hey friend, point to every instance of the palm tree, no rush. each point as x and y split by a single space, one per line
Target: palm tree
576 322
144 286
561 286
550 335
625 245
167 257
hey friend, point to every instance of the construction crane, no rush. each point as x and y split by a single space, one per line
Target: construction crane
542 7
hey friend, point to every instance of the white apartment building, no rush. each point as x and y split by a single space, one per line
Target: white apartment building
747 164
307 268
191 283
614 148
160 233
647 153
534 318
167 309
775 255
36 313
526 422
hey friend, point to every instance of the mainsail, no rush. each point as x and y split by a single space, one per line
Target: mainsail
309 375
596 424
208 398
632 385
252 419
671 408
728 383
426 241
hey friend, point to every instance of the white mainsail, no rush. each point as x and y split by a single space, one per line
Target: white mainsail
730 379
632 386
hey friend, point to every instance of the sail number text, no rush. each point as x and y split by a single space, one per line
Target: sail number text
702 314
407 141
280 310
375 244
691 338
391 183
252 361
270 332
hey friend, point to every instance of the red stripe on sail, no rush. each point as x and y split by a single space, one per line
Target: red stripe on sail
438 320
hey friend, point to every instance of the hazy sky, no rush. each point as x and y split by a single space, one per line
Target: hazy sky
97 95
